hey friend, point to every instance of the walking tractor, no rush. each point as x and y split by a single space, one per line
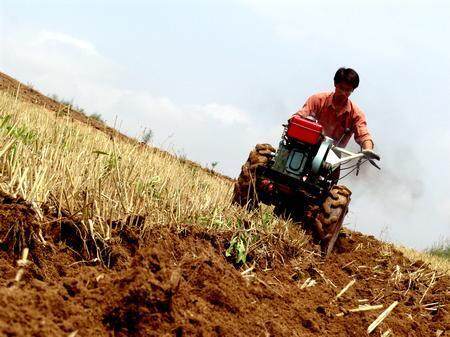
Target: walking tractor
300 178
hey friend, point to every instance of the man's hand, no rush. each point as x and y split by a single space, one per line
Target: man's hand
367 145
370 154
367 149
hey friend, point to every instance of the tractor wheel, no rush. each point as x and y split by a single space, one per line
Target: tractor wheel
244 192
328 221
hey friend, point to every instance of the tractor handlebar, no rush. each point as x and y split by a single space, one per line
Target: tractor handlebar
370 155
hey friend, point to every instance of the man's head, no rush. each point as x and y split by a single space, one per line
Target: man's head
345 81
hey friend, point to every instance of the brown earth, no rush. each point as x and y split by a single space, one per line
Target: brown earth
177 282
30 95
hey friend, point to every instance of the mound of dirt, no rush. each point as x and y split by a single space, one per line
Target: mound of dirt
178 282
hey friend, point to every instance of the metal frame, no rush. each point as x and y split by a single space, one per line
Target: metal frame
349 156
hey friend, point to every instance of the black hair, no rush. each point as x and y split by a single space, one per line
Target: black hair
347 75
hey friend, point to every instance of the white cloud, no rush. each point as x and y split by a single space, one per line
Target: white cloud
205 132
46 36
226 114
55 62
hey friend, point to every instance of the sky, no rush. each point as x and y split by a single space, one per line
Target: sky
213 78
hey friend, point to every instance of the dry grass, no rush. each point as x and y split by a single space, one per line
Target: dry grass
45 158
436 262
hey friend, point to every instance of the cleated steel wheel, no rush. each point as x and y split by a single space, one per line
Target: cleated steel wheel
329 219
244 192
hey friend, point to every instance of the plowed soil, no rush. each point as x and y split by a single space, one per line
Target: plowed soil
177 282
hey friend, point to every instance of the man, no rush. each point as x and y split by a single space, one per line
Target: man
340 117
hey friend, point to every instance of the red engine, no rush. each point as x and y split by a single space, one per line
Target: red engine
304 130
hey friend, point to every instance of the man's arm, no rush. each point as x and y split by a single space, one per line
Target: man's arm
309 108
362 134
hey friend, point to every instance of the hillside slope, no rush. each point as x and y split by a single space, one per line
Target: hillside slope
28 94
100 237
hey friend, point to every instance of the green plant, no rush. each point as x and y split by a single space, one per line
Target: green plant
441 249
267 218
240 245
97 117
238 249
110 163
21 133
148 187
147 136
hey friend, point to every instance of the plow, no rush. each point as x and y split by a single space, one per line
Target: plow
300 179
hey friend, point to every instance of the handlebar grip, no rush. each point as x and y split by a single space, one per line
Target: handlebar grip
370 154
374 164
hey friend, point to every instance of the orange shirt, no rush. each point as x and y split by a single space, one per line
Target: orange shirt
335 122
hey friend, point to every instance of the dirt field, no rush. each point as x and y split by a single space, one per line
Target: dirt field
177 281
